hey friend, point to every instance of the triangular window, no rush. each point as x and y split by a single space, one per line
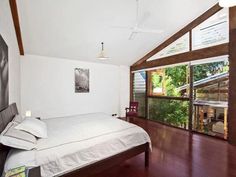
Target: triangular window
181 45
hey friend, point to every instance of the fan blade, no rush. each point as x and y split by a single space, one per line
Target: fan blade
132 35
141 30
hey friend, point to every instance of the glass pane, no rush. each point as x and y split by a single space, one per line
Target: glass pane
172 112
210 119
172 81
211 81
181 45
211 98
139 91
213 31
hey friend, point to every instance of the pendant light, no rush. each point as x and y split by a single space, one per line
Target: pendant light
102 55
227 3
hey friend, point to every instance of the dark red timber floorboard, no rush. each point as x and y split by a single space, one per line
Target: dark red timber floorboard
178 153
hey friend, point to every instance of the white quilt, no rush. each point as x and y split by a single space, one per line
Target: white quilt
77 141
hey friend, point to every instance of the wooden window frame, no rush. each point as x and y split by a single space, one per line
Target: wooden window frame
222 49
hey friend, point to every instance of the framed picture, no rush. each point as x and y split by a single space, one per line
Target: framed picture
4 91
81 80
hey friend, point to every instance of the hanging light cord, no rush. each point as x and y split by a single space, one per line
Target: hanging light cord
102 46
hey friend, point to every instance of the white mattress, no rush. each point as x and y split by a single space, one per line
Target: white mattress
76 141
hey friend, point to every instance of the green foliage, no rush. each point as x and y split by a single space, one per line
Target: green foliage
209 69
178 75
226 68
169 111
156 80
174 78
172 111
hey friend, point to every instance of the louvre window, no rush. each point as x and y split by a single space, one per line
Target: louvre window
139 91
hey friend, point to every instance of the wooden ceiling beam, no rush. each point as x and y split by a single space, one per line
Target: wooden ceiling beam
16 22
180 33
209 52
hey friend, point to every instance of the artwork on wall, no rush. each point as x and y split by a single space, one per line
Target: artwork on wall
81 80
4 91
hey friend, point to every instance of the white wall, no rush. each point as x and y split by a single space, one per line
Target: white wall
48 87
124 88
8 33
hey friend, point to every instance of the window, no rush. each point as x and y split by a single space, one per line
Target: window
139 91
213 31
157 83
211 98
169 111
181 45
170 81
168 95
168 100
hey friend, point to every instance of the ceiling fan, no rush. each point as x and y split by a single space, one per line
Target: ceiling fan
136 29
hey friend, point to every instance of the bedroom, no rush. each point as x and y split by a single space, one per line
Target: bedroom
73 67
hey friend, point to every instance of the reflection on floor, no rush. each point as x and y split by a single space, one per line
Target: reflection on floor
178 153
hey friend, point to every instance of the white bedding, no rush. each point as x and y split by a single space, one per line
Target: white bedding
77 141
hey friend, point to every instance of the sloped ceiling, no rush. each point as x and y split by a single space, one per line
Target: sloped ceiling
74 29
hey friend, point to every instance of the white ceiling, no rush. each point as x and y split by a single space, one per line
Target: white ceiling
74 29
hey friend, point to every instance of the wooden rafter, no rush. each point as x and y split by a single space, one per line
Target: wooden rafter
16 22
209 52
180 33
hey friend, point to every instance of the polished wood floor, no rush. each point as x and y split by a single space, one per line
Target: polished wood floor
178 153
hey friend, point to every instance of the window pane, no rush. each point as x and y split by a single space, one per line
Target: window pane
181 45
213 31
172 81
211 98
139 91
210 119
173 112
211 81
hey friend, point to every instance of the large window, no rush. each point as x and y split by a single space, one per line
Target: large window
211 98
168 95
193 94
167 101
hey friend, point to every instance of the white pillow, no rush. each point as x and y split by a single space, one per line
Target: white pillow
18 118
34 126
16 138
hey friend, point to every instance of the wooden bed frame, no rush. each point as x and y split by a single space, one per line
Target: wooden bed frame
8 114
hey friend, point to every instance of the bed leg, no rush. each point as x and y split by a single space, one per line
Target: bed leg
147 156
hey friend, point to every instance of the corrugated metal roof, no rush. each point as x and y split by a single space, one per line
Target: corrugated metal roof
206 80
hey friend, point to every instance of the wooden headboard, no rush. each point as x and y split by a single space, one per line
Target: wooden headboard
6 116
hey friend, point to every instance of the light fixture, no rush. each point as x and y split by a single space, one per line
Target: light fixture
227 3
28 113
102 55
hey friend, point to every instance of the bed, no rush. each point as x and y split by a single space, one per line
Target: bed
91 143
